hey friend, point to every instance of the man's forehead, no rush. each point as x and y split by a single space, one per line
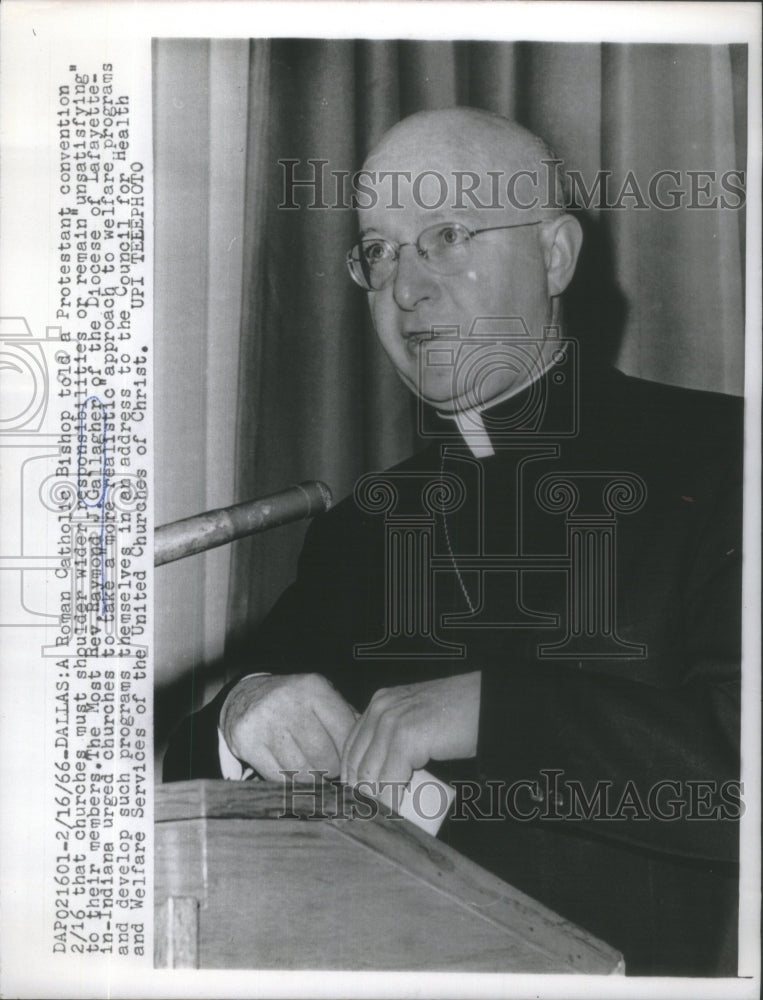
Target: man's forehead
459 164
464 139
396 202
449 180
453 162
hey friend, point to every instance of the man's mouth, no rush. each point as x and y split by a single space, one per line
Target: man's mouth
414 338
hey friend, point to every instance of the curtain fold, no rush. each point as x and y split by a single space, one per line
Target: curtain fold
671 107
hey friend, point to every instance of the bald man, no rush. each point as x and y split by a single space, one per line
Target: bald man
614 743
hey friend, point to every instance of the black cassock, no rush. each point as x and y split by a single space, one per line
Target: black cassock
593 567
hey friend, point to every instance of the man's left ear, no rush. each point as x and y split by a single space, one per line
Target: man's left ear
562 240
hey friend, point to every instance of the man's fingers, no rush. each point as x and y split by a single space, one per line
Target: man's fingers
388 757
378 748
372 746
294 722
336 717
320 732
288 752
397 771
349 759
264 763
355 749
322 729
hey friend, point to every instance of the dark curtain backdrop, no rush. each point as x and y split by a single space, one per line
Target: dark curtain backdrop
658 292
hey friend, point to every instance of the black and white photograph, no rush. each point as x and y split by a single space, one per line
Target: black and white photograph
397 435
490 294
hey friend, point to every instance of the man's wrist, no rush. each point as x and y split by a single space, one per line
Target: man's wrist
227 713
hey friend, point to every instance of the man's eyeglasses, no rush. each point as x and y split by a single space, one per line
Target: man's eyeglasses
372 263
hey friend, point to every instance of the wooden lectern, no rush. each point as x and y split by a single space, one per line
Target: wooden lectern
248 876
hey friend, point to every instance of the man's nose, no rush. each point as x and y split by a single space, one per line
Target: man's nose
414 280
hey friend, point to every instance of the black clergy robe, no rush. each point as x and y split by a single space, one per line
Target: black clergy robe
591 570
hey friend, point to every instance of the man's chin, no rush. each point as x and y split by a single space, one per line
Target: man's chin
442 392
437 391
444 400
440 396
448 404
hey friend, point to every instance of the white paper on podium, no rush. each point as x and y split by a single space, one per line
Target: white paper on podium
426 802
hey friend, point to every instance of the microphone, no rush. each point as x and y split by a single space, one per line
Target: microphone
212 528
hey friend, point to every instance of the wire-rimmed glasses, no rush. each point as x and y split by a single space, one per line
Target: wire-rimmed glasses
445 247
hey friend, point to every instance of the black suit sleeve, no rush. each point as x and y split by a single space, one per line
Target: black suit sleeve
192 750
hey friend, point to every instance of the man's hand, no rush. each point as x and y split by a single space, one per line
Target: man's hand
292 723
404 727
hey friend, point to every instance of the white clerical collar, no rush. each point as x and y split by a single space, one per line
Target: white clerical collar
472 426
473 431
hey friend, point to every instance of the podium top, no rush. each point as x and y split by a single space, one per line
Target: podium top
416 857
208 799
